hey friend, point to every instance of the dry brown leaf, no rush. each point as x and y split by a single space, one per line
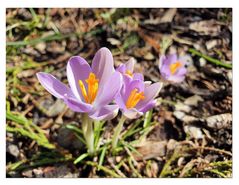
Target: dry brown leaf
151 149
219 121
169 15
208 27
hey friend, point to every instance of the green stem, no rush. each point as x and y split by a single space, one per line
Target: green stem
210 59
88 132
117 132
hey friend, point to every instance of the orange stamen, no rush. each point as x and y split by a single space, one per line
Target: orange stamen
134 98
128 72
93 85
174 67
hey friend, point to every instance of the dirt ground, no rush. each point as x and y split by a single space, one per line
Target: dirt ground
188 133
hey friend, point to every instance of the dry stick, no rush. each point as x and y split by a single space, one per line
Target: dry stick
214 149
206 148
116 169
210 59
131 156
106 170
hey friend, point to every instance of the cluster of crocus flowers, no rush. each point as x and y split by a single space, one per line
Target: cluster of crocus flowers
172 68
91 92
99 91
135 97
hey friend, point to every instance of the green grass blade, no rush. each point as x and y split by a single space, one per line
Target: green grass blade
80 158
147 118
102 155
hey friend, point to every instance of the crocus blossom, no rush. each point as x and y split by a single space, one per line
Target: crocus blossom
172 68
137 97
92 89
127 70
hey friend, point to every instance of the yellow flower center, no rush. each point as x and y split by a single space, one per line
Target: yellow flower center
134 98
174 67
93 84
128 72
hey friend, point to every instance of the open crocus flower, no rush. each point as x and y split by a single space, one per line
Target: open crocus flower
91 89
137 97
172 68
127 70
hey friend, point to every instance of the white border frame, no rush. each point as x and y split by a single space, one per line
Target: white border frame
134 4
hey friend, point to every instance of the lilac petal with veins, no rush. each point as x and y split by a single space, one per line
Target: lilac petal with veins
77 69
53 85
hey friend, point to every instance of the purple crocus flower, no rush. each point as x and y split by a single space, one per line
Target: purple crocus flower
92 89
172 68
127 70
137 97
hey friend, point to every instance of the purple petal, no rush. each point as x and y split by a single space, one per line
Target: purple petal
109 90
103 65
165 71
52 85
120 100
138 76
134 84
161 61
150 93
77 69
105 113
121 68
130 64
181 71
127 66
170 59
132 113
148 106
77 105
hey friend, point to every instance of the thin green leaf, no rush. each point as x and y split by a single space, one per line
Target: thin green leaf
147 118
102 155
80 158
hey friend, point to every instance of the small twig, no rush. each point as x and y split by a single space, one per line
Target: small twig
106 170
131 156
115 168
133 168
213 149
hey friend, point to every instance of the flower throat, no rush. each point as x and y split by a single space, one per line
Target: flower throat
134 98
93 85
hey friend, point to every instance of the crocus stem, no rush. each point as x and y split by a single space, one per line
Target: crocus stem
88 132
117 132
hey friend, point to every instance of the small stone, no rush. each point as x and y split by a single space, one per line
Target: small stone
193 100
149 56
179 115
41 47
202 62
229 75
182 107
181 161
56 108
27 173
118 159
193 132
13 150
38 172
